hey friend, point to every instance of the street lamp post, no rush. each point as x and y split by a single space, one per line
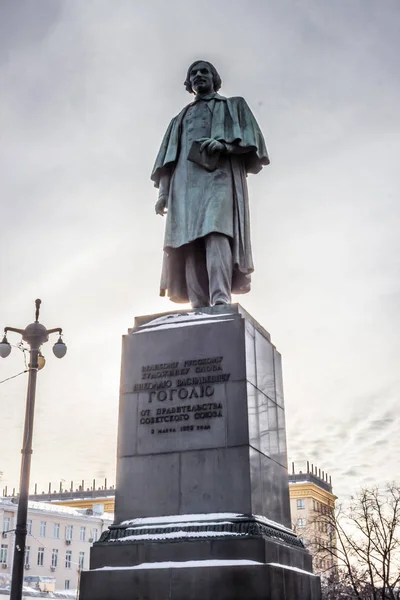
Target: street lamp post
35 335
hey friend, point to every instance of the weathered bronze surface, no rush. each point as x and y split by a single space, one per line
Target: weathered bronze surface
200 170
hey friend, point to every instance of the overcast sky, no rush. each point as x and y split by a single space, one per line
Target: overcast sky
86 92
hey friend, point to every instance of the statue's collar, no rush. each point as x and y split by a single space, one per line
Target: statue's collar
212 96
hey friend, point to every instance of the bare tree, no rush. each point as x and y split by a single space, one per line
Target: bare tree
366 552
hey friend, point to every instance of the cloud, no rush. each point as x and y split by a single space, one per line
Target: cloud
87 92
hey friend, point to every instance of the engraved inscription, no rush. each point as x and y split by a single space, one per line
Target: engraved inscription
182 396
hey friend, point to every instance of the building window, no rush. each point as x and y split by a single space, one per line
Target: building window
81 559
3 554
67 584
6 524
95 534
68 559
98 509
68 532
301 523
42 528
82 535
27 555
300 504
29 527
40 557
54 558
56 530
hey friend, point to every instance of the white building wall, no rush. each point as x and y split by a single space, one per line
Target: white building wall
37 538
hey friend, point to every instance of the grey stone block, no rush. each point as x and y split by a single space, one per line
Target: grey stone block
248 418
147 486
128 423
265 366
199 341
253 416
177 455
214 481
125 585
276 583
278 378
257 499
238 549
130 553
276 500
245 582
238 414
251 367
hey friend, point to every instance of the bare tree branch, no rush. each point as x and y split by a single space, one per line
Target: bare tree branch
366 548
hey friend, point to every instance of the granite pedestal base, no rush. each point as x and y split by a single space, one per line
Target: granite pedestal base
202 499
213 582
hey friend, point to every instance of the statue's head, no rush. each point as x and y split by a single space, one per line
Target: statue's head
202 78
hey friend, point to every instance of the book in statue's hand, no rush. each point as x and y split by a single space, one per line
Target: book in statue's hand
203 159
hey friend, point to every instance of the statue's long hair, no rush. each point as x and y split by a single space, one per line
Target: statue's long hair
216 78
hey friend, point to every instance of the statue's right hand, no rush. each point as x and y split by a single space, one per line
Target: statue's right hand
161 206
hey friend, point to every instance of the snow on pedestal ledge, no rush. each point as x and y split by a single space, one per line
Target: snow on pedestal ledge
197 519
183 320
184 565
177 535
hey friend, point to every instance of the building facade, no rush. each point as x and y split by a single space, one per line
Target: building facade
312 504
58 540
98 499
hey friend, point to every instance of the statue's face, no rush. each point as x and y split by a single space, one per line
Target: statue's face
201 78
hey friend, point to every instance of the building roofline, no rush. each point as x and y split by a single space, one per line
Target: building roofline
54 509
312 475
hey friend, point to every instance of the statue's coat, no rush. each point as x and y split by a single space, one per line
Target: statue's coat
232 123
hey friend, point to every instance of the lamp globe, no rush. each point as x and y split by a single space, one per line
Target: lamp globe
59 348
5 348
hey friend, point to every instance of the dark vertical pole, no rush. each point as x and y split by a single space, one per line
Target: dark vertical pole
20 530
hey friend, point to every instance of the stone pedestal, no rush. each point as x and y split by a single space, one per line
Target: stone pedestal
202 498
